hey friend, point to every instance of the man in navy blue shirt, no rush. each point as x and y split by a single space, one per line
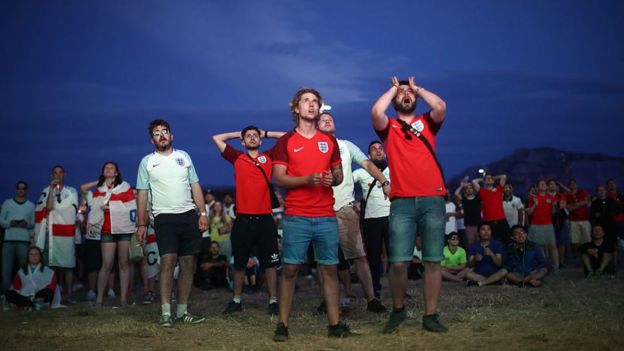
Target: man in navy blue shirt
486 258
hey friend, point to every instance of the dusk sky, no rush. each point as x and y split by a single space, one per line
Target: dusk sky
81 80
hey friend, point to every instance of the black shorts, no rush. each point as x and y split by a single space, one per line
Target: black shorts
177 233
254 231
92 250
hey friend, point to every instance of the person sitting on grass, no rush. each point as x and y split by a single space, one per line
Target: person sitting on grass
524 260
213 269
597 255
454 262
486 256
33 282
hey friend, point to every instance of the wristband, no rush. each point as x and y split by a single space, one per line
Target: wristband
385 182
266 134
203 214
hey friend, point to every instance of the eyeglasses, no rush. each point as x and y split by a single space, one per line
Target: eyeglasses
160 132
454 238
21 188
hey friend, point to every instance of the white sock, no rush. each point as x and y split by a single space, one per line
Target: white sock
165 309
181 309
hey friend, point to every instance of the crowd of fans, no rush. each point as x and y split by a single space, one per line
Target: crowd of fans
492 236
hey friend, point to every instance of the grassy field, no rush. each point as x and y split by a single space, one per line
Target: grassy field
567 313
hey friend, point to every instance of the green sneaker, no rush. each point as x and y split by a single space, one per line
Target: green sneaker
281 333
165 320
432 324
396 318
188 318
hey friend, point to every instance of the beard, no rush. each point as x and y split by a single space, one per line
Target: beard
381 164
405 110
252 148
163 147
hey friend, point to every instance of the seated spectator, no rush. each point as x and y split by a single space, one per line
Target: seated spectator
454 262
597 255
486 256
415 269
252 271
213 269
524 260
33 281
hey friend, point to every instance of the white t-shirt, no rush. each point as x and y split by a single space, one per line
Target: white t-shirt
349 153
511 209
451 222
377 205
169 180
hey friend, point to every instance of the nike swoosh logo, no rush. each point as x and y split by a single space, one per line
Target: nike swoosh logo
158 164
299 149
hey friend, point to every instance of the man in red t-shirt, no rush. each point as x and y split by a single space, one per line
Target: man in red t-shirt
578 204
417 194
492 205
307 163
254 227
541 231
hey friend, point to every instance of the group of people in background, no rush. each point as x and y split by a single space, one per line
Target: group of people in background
184 235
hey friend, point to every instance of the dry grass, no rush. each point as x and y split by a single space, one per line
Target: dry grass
567 313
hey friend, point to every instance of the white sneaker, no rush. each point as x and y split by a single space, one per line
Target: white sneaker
57 306
111 293
91 295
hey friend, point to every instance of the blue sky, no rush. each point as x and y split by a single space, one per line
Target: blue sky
82 79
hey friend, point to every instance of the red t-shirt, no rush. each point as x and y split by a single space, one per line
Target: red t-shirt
252 191
581 213
303 157
413 169
543 210
492 203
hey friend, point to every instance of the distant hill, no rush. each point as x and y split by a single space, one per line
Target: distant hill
525 166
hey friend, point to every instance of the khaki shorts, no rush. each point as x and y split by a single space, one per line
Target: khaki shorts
349 233
580 232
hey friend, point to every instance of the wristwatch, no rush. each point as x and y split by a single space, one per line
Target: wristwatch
203 214
385 182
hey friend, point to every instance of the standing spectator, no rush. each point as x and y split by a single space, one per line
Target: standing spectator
376 211
486 256
55 222
618 216
523 260
113 212
220 225
492 200
348 219
229 207
471 205
451 216
602 212
597 255
578 201
17 217
560 219
170 177
417 194
33 281
454 265
254 227
541 207
307 164
514 209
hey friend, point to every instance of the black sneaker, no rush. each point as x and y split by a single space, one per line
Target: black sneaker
274 309
188 318
396 318
340 330
233 307
321 309
376 306
281 333
472 283
432 324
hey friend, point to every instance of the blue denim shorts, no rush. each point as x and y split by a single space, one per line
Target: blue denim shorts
412 216
300 231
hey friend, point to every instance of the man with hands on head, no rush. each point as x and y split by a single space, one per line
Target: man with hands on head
170 177
253 226
306 162
417 194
